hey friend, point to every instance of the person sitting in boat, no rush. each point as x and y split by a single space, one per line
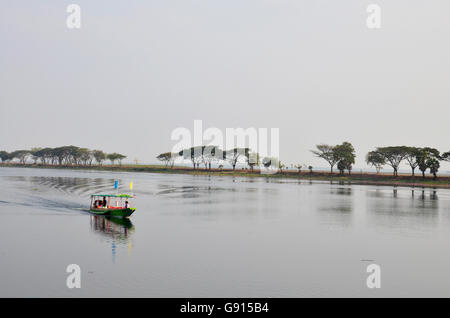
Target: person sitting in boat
96 204
127 205
104 202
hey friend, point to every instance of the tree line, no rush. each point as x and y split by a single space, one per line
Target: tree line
207 155
423 158
65 155
341 156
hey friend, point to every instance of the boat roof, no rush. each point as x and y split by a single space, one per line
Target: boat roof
113 195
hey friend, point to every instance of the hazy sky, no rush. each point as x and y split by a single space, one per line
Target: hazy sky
136 70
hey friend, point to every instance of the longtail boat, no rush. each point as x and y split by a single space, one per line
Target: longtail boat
115 205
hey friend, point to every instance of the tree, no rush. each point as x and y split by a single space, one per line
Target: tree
211 154
342 166
253 160
281 166
411 157
422 157
195 154
168 158
22 155
375 159
346 156
51 156
34 154
99 156
327 153
446 156
44 155
115 156
310 168
434 165
233 155
62 154
120 157
393 156
5 156
67 155
299 168
111 157
85 156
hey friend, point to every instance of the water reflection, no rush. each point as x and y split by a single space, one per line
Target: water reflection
341 191
118 229
432 195
403 209
421 193
337 210
115 230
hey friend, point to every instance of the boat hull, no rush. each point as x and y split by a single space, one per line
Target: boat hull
119 213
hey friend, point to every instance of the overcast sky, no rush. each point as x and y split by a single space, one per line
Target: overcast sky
136 70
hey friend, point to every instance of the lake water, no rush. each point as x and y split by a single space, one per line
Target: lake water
200 236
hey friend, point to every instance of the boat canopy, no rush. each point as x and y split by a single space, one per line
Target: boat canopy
113 195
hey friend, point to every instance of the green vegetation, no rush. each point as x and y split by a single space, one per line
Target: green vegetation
307 175
113 157
327 153
212 154
341 156
99 156
235 154
66 155
423 158
376 160
168 158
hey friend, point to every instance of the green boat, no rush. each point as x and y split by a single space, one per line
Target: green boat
114 205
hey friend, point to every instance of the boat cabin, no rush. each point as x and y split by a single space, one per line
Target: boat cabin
111 201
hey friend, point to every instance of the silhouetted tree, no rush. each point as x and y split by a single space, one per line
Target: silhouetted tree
346 155
411 158
327 153
99 156
168 158
434 165
393 156
375 159
422 157
233 155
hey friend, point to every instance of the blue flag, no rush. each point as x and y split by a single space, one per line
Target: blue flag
116 184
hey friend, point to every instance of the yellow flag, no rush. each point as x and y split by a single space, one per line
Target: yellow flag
131 185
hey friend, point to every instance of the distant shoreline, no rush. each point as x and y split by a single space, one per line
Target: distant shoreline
357 178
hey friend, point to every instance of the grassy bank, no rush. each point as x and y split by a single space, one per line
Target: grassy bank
355 178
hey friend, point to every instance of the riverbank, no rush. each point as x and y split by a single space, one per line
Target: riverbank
382 179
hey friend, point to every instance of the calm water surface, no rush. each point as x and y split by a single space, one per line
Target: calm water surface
200 236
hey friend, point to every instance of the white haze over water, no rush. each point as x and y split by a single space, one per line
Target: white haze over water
137 70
